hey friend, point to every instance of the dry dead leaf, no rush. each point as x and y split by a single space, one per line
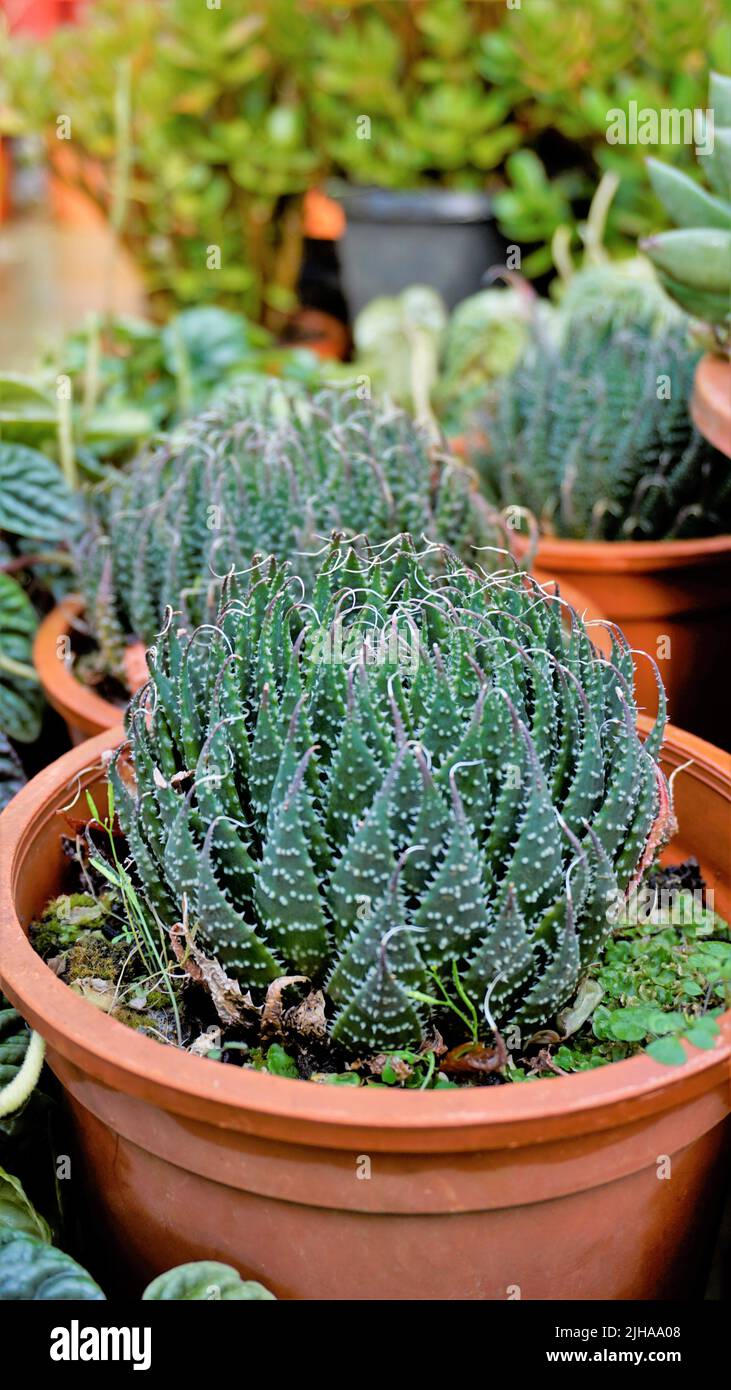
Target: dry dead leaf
206 1042
228 1001
401 1069
100 993
273 1011
308 1018
475 1057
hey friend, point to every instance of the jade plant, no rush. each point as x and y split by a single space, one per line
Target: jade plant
694 260
268 469
564 69
221 115
408 783
186 123
415 72
593 435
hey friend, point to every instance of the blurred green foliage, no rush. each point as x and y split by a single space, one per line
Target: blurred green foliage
563 67
199 127
187 124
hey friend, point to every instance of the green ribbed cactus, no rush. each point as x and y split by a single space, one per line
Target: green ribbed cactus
694 260
406 772
593 435
268 469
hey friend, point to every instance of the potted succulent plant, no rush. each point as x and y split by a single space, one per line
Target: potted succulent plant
592 434
694 262
126 379
410 156
419 801
268 469
436 365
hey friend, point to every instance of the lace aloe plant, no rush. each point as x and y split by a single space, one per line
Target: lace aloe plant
593 435
407 772
268 470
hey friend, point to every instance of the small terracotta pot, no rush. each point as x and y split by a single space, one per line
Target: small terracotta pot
322 333
6 179
710 404
605 1184
671 599
85 713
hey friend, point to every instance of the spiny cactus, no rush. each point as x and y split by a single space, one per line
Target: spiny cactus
271 471
694 261
593 435
407 771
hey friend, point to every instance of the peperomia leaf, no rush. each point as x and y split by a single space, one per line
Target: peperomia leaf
31 1270
17 1213
35 500
204 1280
20 694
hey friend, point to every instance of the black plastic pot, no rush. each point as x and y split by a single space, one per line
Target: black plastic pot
431 236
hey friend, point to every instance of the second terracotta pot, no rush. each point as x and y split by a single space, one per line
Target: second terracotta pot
84 712
671 599
710 404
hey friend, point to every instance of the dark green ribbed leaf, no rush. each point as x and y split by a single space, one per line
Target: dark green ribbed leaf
12 777
35 501
20 694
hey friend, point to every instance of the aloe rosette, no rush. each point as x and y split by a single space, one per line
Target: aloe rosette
267 469
404 772
593 434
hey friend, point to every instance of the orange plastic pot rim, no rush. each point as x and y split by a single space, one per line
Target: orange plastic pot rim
74 701
618 557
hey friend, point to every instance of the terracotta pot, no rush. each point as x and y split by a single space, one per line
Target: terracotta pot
550 1188
710 404
320 332
671 599
85 713
6 179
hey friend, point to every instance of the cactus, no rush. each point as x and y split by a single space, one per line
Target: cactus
694 260
593 435
267 469
412 771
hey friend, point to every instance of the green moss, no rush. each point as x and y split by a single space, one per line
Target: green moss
66 918
94 957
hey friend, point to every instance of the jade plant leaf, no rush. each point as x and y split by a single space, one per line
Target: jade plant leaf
204 1280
